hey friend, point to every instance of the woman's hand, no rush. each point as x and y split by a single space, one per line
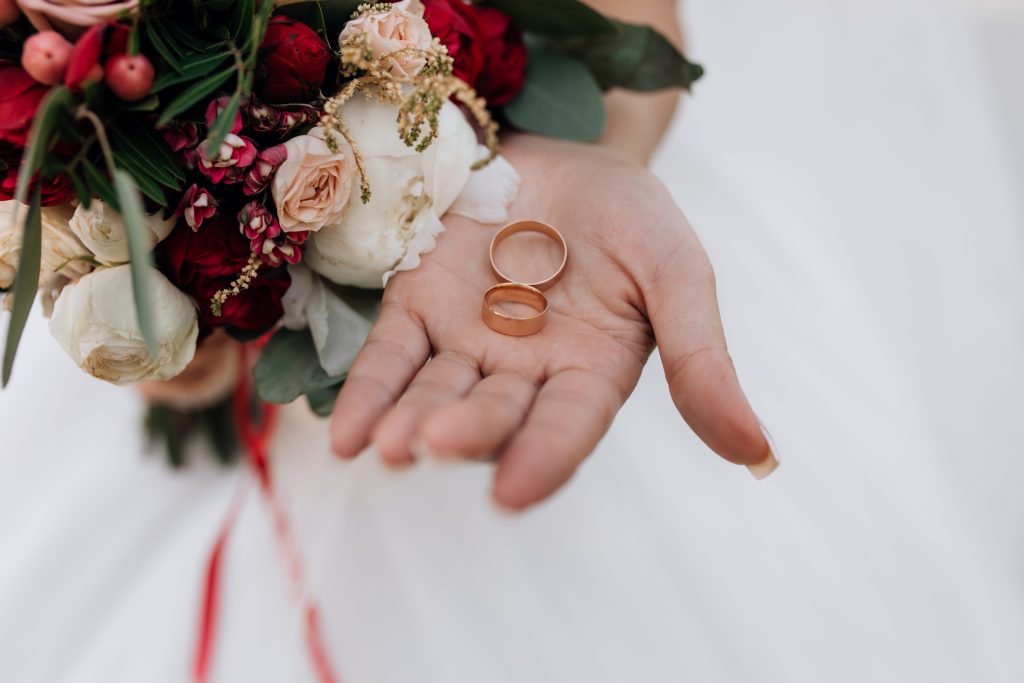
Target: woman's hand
433 378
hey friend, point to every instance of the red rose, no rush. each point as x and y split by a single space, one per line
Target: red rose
57 191
504 69
292 62
485 44
454 23
20 96
203 262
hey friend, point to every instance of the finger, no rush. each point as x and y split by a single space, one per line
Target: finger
683 307
445 378
478 426
396 348
572 412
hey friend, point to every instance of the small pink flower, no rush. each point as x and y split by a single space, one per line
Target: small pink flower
261 173
266 239
294 117
255 220
218 105
180 136
234 156
196 206
285 248
260 117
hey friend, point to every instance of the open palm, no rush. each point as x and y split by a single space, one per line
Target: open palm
434 379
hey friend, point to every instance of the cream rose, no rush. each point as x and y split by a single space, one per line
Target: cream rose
400 27
94 321
62 252
10 241
72 17
101 230
313 186
410 191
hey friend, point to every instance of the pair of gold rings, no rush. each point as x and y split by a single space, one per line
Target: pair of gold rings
530 294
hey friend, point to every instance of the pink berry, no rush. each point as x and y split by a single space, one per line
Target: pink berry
130 77
9 12
46 56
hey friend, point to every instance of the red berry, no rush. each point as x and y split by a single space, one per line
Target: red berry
45 56
130 77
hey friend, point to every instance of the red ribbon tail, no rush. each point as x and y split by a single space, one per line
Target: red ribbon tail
209 607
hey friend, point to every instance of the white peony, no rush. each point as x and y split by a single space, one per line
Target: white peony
101 229
410 192
94 321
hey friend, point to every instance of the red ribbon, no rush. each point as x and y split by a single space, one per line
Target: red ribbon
255 436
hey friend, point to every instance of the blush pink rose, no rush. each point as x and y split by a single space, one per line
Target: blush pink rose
313 186
402 26
72 17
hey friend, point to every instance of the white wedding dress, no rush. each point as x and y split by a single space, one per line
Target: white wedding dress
855 170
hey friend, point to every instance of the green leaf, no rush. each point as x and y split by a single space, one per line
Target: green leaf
171 56
289 367
55 102
195 93
636 58
151 144
222 126
557 18
26 281
193 68
560 98
141 179
139 244
137 148
241 21
99 184
321 401
81 190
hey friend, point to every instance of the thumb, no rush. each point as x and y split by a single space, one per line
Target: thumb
683 307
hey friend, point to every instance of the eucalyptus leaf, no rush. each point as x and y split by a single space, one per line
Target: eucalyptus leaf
555 17
195 93
321 401
139 243
288 367
26 281
635 57
560 98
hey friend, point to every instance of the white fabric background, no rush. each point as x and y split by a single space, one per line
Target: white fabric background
854 169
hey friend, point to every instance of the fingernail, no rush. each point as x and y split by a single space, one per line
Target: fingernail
422 451
771 461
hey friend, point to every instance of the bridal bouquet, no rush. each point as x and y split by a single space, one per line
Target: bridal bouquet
172 171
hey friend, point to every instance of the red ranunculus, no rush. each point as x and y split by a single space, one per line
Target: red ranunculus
292 62
57 191
485 44
20 96
203 262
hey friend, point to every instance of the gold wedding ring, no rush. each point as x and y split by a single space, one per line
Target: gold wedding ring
515 293
530 226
